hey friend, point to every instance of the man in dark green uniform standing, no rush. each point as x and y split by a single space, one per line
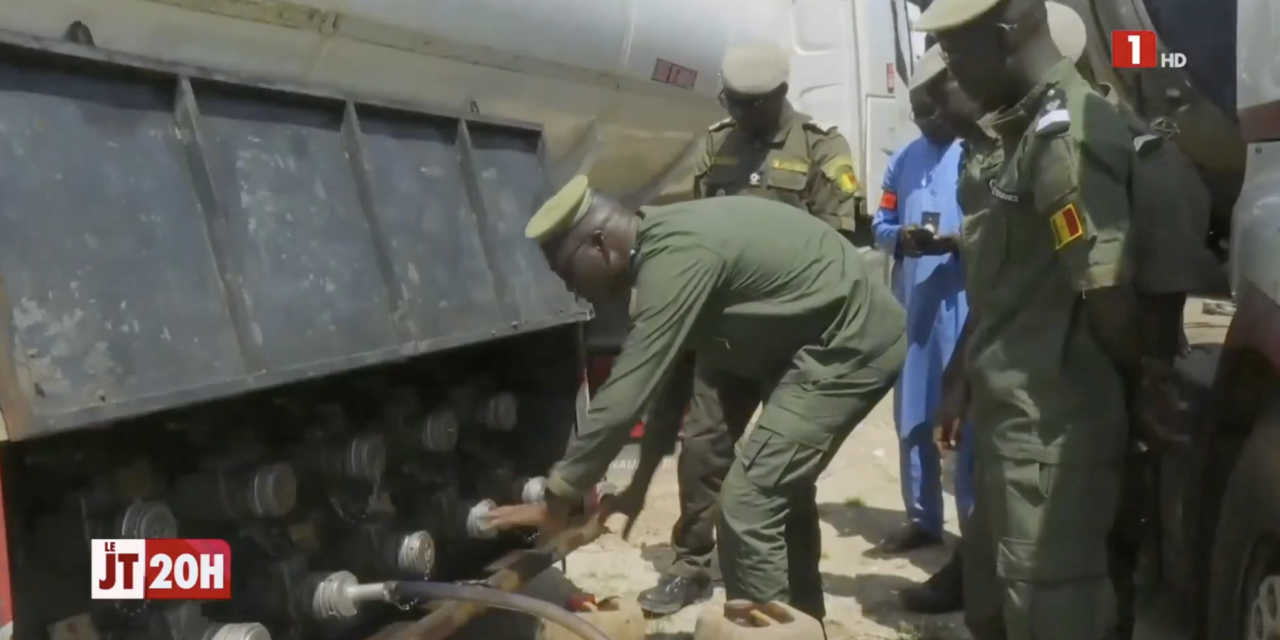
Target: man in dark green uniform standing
1052 333
765 149
754 290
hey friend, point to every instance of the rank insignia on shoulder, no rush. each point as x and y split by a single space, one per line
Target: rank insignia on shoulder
1066 225
727 122
820 127
1053 121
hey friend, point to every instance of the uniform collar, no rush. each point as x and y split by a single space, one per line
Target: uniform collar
1012 123
787 119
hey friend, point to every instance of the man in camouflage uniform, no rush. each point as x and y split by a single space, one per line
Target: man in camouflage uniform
765 149
757 290
1052 333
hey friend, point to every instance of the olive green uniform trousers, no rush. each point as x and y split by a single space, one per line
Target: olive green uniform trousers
770 543
1032 562
720 406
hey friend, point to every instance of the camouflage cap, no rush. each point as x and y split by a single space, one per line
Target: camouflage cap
560 212
930 66
944 15
754 70
1067 30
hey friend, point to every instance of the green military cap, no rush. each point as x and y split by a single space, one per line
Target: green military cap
754 70
930 66
944 15
563 210
1067 30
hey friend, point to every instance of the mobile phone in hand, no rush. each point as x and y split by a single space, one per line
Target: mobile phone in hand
932 221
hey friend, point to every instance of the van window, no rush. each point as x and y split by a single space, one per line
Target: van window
1205 32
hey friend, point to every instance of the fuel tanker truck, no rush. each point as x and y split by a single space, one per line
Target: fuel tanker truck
263 277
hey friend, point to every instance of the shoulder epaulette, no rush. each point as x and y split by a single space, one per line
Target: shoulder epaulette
820 127
1145 144
1053 118
723 124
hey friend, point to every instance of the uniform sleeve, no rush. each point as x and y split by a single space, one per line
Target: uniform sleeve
672 290
1084 200
833 193
701 167
886 224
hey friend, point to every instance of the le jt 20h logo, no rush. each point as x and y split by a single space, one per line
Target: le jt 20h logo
160 569
1137 50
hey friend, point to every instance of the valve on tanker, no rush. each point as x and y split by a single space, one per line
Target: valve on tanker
381 551
438 432
330 596
534 490
146 519
361 458
498 411
185 621
269 491
478 521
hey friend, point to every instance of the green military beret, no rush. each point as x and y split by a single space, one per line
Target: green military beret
754 70
563 210
930 66
944 15
1067 30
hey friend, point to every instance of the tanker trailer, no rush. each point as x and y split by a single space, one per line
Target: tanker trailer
264 280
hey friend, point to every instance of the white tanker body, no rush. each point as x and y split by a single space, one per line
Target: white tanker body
621 88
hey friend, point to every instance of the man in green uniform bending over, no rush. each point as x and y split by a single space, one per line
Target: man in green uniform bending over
1053 333
765 149
757 290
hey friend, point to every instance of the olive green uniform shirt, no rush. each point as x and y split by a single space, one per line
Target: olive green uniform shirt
1172 205
806 165
755 291
980 162
1055 229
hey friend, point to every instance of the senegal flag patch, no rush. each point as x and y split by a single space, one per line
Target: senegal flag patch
846 182
1067 226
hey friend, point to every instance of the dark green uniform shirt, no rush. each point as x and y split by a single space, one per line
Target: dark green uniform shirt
805 164
980 162
755 291
1057 222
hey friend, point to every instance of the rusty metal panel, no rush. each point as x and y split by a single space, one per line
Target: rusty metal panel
509 179
112 288
294 223
433 237
171 235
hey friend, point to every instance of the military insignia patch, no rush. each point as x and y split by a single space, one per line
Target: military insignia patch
847 183
794 166
754 180
889 201
1066 226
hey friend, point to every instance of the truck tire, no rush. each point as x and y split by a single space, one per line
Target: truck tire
1244 583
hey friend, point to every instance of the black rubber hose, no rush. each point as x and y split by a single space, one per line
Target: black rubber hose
419 590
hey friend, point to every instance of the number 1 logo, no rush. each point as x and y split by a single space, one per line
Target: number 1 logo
1133 49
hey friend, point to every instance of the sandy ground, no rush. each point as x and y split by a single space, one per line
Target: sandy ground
860 503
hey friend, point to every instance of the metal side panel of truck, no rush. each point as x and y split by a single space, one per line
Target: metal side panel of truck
263 279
